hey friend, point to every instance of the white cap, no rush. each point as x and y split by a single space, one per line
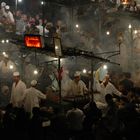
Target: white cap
77 73
33 83
16 73
3 4
7 7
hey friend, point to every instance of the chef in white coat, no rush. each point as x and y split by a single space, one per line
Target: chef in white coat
18 89
32 97
105 88
77 86
9 15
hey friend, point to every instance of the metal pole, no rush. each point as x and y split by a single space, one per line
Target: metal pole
92 81
131 37
43 18
59 82
16 3
99 23
71 10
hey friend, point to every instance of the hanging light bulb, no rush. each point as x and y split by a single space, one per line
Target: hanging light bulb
35 72
135 31
129 26
84 71
4 53
19 0
77 26
3 41
108 33
56 47
11 67
42 2
105 67
7 41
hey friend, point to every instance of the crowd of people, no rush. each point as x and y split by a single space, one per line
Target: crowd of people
112 110
21 23
119 119
125 5
113 115
79 37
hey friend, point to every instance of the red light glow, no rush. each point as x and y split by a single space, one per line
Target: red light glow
33 41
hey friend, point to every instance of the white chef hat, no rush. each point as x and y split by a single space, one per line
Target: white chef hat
77 73
3 4
16 73
33 83
7 7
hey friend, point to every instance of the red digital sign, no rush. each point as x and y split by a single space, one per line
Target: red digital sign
33 41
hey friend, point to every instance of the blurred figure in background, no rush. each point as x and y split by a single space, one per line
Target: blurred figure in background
9 18
21 24
126 83
75 118
29 71
66 80
4 96
106 87
2 10
9 15
7 67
